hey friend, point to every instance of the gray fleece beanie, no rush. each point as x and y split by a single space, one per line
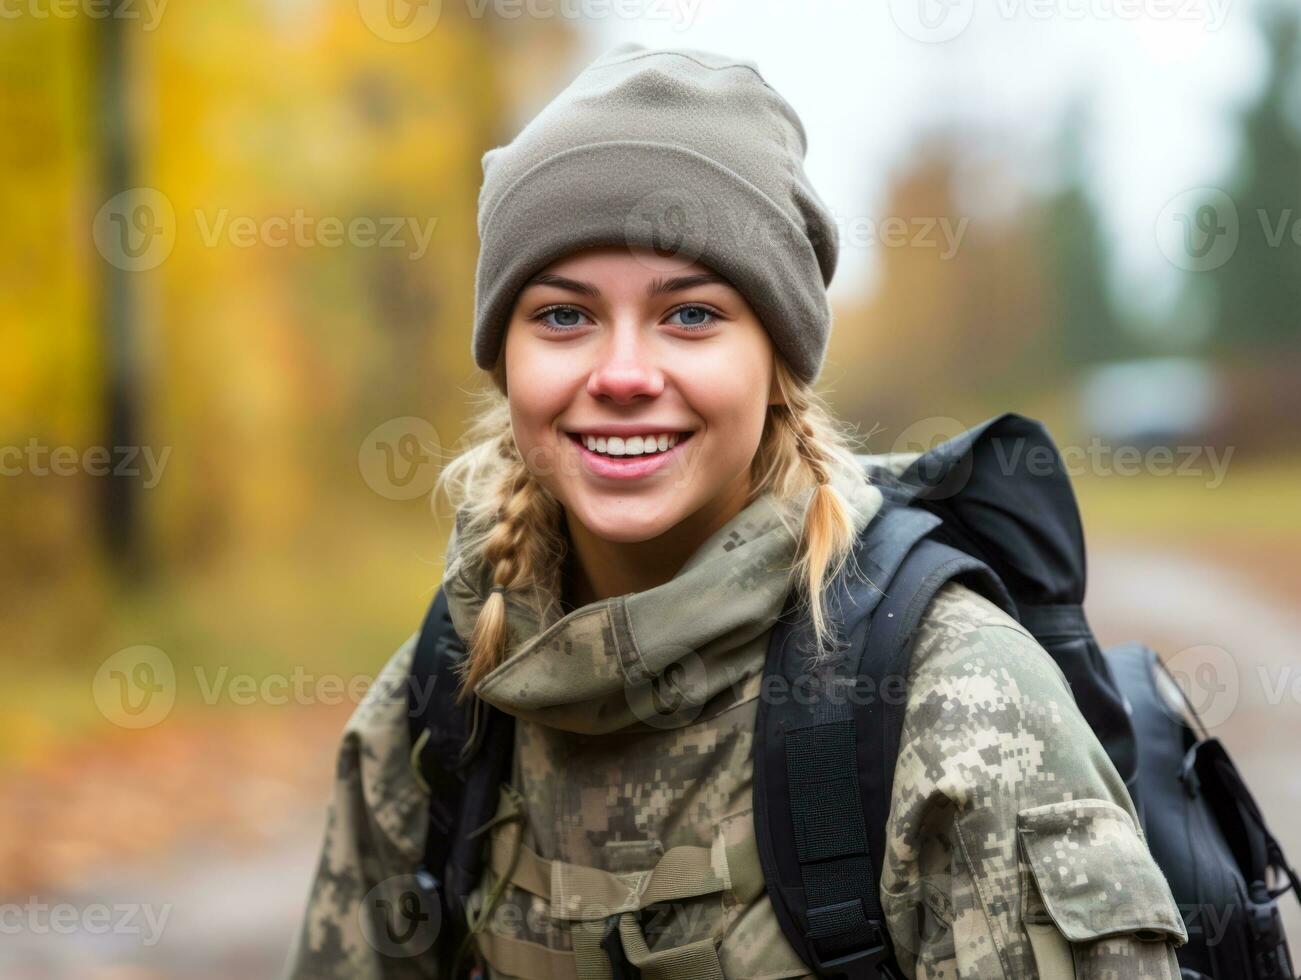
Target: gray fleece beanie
684 151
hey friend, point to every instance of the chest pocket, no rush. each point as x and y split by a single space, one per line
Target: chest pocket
600 910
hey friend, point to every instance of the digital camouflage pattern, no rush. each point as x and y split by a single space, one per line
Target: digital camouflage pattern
365 920
1012 839
617 774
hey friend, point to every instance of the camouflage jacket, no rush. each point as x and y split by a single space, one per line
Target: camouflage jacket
1014 850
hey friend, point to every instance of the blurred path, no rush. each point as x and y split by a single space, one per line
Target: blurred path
222 915
1235 636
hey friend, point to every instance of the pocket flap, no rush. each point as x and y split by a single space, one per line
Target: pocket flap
1094 873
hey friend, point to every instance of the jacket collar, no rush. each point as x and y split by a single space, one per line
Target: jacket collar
601 667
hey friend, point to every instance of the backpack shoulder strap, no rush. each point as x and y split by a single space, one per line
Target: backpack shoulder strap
824 769
886 662
439 728
462 752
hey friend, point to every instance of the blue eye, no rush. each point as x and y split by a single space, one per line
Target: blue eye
692 323
564 311
569 318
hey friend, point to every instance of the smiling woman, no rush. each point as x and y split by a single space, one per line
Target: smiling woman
648 345
625 368
651 482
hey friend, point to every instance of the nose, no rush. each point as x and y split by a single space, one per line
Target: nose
626 367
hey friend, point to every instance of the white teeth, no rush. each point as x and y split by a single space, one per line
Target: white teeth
631 446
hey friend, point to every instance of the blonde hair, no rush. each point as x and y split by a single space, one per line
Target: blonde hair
516 527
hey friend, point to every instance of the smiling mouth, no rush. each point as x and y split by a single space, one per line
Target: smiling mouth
678 439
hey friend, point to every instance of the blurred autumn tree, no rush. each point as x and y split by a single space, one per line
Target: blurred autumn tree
257 360
961 300
261 365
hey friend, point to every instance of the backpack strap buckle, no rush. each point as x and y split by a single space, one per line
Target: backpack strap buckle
874 962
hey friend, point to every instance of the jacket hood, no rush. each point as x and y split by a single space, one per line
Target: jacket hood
629 660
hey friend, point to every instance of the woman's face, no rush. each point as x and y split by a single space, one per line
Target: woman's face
621 346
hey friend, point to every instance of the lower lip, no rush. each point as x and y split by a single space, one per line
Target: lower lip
627 467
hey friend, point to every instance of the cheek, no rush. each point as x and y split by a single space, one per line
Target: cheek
733 402
737 378
741 423
538 386
535 404
539 363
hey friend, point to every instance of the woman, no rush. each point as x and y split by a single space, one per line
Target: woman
651 477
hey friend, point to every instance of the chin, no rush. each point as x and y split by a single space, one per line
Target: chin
627 521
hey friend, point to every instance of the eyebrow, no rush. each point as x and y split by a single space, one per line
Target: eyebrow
657 287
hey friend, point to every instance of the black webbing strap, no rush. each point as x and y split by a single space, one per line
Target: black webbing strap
1048 621
462 763
840 770
785 738
844 913
885 667
438 725
809 814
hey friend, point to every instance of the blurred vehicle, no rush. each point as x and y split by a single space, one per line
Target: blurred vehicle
1159 401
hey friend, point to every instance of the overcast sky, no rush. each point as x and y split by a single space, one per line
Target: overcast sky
867 76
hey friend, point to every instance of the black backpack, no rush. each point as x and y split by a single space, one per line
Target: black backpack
992 508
